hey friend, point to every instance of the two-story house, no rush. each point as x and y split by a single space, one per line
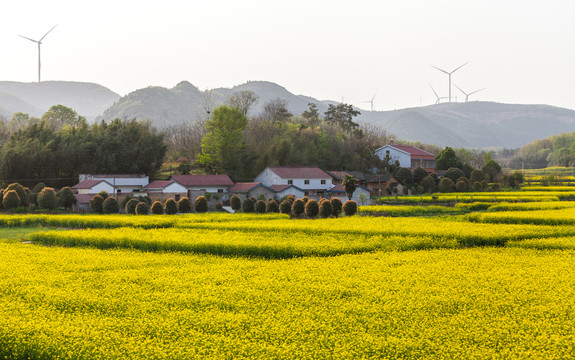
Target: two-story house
408 156
312 180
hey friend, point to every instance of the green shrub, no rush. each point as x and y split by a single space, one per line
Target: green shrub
325 209
305 199
201 204
219 206
477 186
19 190
446 185
104 194
33 198
145 199
428 184
484 185
248 205
130 207
350 207
336 206
185 205
298 207
170 207
285 206
36 189
311 208
110 206
272 206
260 207
142 208
454 174
11 199
66 197
495 187
96 204
47 199
125 201
235 202
157 208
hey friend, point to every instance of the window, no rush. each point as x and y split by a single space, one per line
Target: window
323 182
290 182
220 191
387 152
306 182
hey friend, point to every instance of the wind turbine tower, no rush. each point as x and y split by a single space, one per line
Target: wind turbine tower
39 42
466 94
437 96
449 73
371 101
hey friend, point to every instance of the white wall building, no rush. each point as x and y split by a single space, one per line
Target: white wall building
312 180
121 183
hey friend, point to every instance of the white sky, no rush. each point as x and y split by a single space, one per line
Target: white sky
520 51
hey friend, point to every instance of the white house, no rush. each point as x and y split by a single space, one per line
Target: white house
312 180
409 157
92 187
285 190
197 185
165 189
121 183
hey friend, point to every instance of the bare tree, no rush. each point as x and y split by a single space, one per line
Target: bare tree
207 104
276 110
243 100
184 140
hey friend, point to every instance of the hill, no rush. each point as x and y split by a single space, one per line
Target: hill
471 124
88 99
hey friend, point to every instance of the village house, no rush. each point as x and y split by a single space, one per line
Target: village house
338 191
338 176
312 180
259 191
409 157
378 184
214 186
161 190
121 183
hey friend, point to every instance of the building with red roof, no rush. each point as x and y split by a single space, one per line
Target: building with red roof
410 157
311 179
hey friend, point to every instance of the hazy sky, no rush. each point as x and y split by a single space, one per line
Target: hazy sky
520 51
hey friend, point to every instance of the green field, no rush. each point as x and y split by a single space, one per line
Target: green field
494 284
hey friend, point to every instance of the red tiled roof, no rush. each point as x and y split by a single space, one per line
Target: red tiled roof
119 176
87 184
244 186
159 184
203 180
278 188
413 150
299 172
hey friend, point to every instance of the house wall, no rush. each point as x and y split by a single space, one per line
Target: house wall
260 190
269 178
290 191
395 154
97 188
423 163
175 188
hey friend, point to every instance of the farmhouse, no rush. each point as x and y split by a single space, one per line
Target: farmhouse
164 189
196 185
338 191
409 157
251 189
312 180
338 176
121 183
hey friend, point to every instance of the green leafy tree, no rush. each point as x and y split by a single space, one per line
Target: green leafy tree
446 185
325 208
285 206
477 175
336 206
260 207
428 184
11 200
447 159
311 114
66 197
311 208
223 145
272 206
248 205
419 174
142 208
349 207
47 199
130 207
298 207
110 206
342 115
201 204
96 204
59 116
404 176
235 202
20 190
170 207
157 208
184 205
349 184
454 174
492 169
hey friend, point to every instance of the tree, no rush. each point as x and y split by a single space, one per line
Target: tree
110 206
311 208
18 121
342 115
260 207
243 100
130 207
447 159
427 184
248 205
142 208
285 206
96 204
419 174
325 208
66 197
157 208
223 145
272 206
362 198
201 204
235 202
170 207
11 199
446 185
404 176
59 115
492 169
349 184
336 206
47 199
276 110
298 207
184 205
20 190
454 174
477 175
350 207
311 114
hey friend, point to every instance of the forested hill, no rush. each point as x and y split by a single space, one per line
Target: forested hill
87 99
473 124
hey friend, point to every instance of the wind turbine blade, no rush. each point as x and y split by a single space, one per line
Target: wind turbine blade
28 39
475 91
42 38
432 89
439 69
464 93
459 67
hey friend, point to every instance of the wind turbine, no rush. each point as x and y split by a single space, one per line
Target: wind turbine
449 73
39 42
437 96
466 94
371 101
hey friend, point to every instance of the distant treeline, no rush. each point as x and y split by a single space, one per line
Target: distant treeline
57 147
557 150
